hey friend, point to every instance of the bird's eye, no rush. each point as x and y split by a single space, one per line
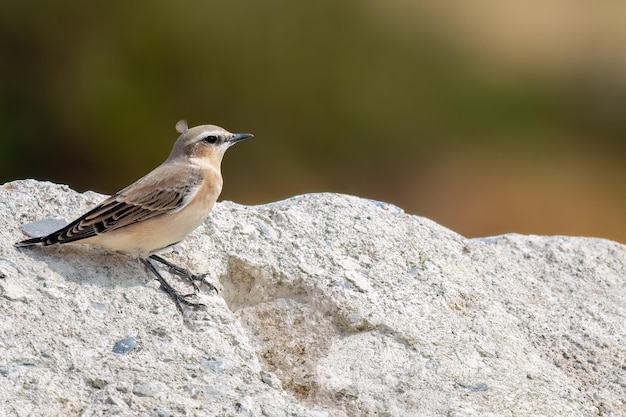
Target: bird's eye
211 139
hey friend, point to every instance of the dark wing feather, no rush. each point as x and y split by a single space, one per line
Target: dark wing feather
147 198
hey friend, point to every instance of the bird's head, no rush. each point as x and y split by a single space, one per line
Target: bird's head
204 144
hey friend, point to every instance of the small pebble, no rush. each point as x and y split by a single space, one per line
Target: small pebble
150 389
125 345
98 383
248 229
271 379
43 227
215 364
481 386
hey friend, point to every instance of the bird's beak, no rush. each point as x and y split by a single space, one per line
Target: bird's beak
240 136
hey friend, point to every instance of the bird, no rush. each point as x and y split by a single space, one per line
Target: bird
160 209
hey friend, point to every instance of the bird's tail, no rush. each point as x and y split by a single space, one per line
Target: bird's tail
31 242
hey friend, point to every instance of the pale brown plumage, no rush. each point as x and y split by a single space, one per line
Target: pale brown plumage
161 208
160 192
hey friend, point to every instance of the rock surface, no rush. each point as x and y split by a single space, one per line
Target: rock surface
329 305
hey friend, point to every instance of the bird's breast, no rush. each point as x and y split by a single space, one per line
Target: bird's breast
187 219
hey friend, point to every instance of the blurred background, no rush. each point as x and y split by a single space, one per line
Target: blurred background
487 116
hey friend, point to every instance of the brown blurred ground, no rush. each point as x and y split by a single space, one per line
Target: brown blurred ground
488 117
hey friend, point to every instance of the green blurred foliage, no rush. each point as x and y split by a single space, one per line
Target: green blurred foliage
337 97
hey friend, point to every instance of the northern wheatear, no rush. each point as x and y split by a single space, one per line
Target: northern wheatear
160 209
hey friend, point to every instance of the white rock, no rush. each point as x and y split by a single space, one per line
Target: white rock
353 307
271 379
150 389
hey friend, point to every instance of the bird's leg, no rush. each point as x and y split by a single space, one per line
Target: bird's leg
184 273
178 298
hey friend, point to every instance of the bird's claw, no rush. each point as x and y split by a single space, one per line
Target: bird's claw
203 280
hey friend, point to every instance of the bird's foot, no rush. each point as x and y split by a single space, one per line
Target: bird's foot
178 298
181 299
186 274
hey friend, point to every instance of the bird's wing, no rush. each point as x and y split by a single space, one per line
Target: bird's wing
166 189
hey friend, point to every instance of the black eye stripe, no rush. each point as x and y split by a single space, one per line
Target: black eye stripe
211 139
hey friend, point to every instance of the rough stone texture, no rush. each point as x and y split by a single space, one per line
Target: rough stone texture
329 305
